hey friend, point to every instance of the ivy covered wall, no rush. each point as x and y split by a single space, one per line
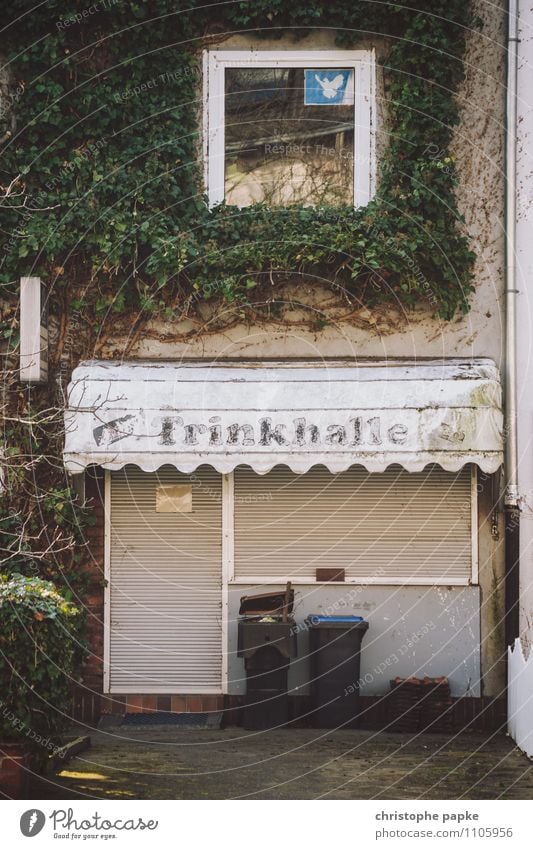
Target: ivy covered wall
102 135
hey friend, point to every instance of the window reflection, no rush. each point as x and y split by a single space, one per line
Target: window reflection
289 136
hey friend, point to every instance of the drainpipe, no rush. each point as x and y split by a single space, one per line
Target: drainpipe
512 505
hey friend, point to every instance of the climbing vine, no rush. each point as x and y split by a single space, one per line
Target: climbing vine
101 195
104 180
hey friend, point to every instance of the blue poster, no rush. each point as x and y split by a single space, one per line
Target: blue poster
328 87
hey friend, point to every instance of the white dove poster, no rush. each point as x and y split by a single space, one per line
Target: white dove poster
329 87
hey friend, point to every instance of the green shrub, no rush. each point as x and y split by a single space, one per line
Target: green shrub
37 652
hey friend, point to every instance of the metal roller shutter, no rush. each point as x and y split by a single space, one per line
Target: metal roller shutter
165 585
392 527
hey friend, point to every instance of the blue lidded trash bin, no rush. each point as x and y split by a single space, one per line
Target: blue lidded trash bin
335 664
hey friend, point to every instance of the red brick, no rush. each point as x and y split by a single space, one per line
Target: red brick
14 774
92 672
212 703
93 601
178 704
135 704
194 704
149 703
113 704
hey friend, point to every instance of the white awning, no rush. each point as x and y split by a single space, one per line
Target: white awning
298 414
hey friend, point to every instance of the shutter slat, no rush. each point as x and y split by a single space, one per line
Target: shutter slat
165 584
395 525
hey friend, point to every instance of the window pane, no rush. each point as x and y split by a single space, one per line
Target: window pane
289 136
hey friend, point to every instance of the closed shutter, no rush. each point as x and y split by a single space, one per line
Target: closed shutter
165 585
390 527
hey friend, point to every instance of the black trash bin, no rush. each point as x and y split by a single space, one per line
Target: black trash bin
335 662
266 641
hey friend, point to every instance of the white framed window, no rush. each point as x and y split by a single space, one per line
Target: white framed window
289 127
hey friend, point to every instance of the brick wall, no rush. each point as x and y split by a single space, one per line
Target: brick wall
147 703
87 695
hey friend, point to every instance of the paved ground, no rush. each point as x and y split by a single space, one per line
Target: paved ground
291 764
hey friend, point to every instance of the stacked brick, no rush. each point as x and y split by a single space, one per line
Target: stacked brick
15 770
420 704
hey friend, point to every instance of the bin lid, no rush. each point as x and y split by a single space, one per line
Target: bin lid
267 604
315 620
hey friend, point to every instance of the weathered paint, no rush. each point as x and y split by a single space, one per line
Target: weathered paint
479 153
413 631
491 575
524 284
303 415
519 697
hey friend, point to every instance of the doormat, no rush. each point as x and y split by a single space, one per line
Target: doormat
180 720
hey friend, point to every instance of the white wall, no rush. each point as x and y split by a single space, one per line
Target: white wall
524 261
412 631
520 698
